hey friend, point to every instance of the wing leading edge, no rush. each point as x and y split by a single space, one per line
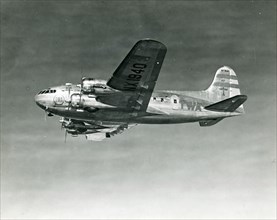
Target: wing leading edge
92 130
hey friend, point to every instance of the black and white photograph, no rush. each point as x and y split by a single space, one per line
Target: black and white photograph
144 109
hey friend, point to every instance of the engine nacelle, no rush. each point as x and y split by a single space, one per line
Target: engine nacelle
84 102
94 86
87 85
73 127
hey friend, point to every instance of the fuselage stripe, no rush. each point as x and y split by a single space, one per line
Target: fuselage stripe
226 85
226 76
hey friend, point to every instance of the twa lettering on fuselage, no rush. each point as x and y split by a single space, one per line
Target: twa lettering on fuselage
191 105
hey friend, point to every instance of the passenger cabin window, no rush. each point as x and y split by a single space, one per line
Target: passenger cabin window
162 99
175 101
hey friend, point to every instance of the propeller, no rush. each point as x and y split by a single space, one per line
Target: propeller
61 121
68 99
45 115
65 135
64 122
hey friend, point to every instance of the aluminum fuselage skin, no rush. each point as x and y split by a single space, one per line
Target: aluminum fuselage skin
165 107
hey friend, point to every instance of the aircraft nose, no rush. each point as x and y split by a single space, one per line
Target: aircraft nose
39 101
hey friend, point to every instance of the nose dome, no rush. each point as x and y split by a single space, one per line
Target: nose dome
40 100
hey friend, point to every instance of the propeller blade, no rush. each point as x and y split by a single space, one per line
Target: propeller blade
68 97
45 115
62 121
65 135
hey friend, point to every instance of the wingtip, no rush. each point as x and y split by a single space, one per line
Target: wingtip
152 41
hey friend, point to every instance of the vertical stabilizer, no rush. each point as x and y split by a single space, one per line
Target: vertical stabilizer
225 85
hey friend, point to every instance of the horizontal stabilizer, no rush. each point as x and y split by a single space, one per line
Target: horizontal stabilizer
209 122
227 105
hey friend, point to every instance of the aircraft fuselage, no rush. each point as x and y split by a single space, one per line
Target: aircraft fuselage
165 107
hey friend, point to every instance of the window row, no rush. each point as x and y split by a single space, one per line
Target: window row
162 99
158 99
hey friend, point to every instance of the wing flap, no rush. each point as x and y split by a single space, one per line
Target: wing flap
100 135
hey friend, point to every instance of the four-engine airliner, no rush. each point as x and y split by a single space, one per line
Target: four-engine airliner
99 109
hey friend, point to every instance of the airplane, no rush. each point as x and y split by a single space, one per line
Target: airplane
100 109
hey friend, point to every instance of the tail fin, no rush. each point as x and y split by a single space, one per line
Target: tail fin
225 85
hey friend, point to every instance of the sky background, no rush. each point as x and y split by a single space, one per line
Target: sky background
150 171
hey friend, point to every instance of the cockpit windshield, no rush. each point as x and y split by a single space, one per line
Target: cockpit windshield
47 91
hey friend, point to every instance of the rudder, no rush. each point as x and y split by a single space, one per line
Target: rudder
225 85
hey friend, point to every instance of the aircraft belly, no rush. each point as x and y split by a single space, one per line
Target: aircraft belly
169 117
100 115
174 117
163 120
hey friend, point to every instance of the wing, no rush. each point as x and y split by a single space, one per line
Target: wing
137 74
93 131
108 132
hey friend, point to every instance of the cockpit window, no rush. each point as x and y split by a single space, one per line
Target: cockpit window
47 91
